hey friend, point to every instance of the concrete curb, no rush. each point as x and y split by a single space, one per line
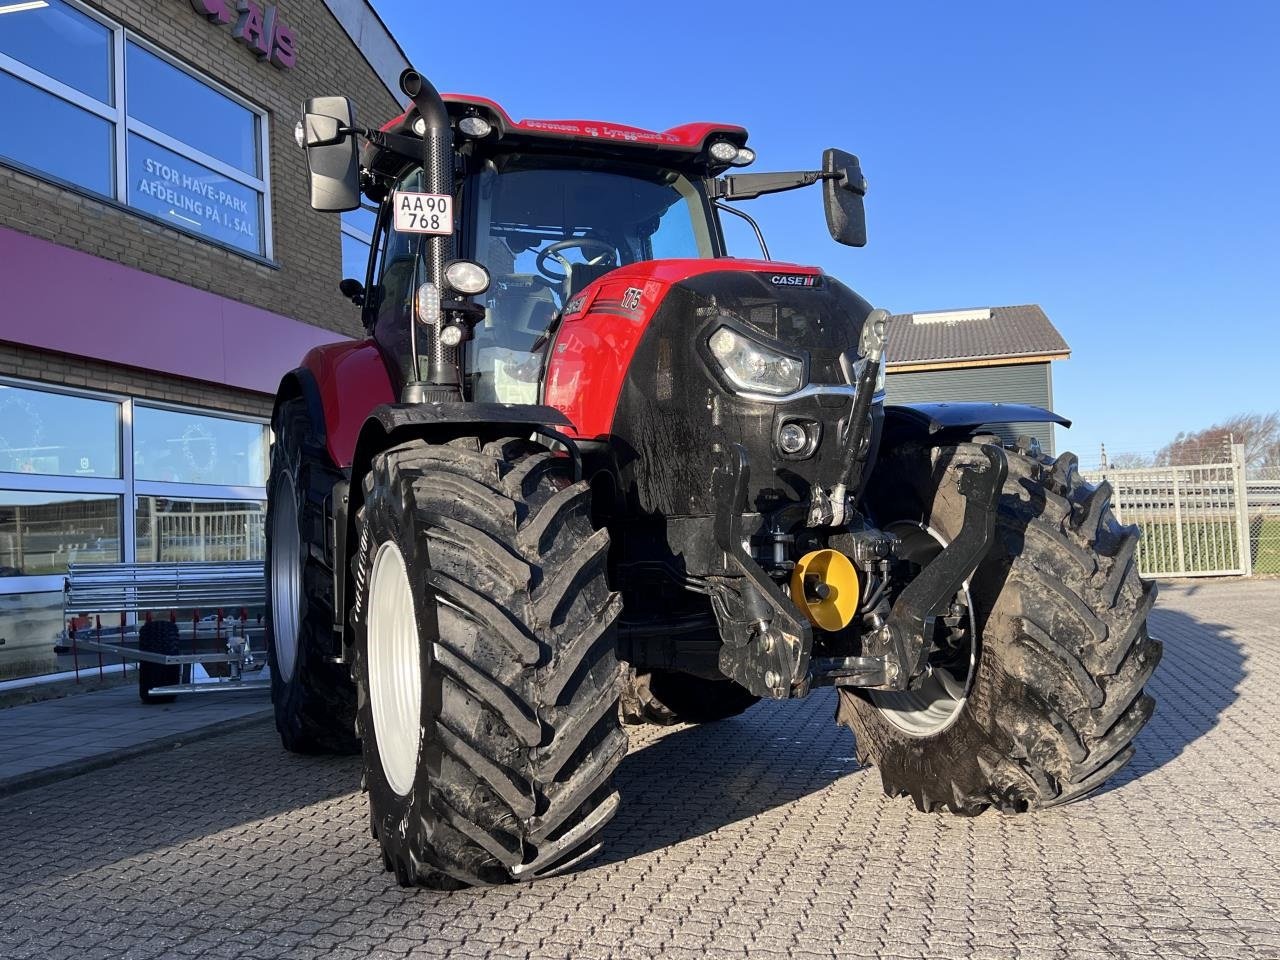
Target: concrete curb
74 768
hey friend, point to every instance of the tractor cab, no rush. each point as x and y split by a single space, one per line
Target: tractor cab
546 208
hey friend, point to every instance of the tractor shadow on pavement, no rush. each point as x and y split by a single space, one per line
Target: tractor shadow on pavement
1198 679
688 782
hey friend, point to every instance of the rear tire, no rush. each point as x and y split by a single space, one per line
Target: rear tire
158 636
1062 649
485 662
314 698
664 698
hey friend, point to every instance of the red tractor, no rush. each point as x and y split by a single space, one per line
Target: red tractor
587 468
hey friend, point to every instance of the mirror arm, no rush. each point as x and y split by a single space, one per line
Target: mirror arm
748 186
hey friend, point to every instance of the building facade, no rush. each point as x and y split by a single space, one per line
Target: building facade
998 354
160 268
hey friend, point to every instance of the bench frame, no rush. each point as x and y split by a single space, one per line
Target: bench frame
144 589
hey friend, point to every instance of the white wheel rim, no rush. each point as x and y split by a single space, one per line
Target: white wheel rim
395 674
286 578
937 703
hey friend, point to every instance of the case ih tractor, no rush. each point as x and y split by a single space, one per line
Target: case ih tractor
586 468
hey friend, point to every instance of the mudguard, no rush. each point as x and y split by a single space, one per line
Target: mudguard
944 422
340 383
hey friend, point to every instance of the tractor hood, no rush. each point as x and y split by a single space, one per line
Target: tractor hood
634 362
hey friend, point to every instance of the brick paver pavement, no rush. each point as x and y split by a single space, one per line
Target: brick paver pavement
758 836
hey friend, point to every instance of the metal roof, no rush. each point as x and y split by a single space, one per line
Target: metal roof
985 333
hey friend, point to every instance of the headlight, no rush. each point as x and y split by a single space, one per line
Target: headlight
754 368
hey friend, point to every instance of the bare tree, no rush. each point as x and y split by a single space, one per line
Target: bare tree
1259 432
1129 461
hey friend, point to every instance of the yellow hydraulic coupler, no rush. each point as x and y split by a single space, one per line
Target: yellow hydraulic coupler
824 585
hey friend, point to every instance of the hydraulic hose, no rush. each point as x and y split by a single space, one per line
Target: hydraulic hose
871 346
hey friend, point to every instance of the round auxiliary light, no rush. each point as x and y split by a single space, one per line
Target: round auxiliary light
474 126
746 156
724 151
451 335
300 135
792 438
466 277
420 127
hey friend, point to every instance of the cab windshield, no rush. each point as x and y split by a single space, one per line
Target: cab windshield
546 228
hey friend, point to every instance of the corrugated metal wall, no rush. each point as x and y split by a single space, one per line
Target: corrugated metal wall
1015 383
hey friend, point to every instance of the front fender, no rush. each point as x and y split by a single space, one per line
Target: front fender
946 422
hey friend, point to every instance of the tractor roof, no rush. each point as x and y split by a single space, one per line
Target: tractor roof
684 145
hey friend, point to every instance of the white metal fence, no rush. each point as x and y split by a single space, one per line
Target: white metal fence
1210 519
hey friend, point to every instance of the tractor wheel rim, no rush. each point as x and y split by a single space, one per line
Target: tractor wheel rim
395 674
937 703
286 578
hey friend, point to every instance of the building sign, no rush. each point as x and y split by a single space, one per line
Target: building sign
193 197
256 26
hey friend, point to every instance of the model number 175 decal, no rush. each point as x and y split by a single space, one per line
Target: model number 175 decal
423 212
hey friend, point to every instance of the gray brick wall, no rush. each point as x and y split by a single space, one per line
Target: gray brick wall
89 374
303 284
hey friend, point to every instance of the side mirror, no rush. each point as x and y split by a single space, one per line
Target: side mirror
842 197
353 290
332 153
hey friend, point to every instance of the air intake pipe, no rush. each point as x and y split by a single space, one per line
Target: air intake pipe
441 379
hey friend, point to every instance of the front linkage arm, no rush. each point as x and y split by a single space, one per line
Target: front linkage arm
907 631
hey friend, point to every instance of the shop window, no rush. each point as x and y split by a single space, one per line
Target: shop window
57 40
178 105
40 533
178 531
193 489
58 435
181 446
45 133
94 106
194 197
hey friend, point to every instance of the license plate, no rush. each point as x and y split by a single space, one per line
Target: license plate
423 212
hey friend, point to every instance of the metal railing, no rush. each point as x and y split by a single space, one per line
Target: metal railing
1208 519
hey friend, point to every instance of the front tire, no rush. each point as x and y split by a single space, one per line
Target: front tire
313 697
1055 697
485 663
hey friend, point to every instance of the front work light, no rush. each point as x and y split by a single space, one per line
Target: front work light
724 151
746 156
466 277
754 368
474 127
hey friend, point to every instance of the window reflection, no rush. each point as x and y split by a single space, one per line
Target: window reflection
186 447
40 533
56 434
176 103
175 531
45 133
63 43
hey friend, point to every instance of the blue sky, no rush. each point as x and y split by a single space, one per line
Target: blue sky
1117 163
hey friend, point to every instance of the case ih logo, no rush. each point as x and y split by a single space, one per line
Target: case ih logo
793 280
256 26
